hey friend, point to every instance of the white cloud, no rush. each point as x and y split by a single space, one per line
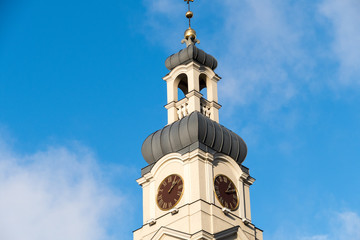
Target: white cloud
274 55
263 51
346 226
164 18
317 237
54 194
167 7
259 46
345 18
340 226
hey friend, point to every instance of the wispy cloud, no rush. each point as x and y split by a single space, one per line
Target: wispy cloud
54 194
345 18
346 226
263 53
317 237
340 226
163 18
271 51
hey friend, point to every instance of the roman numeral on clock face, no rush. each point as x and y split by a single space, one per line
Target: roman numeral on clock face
169 192
226 192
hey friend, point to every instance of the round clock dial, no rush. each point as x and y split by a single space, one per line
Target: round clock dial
226 192
170 192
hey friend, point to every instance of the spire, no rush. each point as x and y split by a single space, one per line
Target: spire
190 34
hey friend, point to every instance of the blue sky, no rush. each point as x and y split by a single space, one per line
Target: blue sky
81 88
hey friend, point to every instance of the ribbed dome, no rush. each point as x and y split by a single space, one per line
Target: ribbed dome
188 54
189 130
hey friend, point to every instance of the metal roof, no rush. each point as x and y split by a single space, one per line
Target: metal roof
191 53
195 128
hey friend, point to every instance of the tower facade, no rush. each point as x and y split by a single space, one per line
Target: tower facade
195 186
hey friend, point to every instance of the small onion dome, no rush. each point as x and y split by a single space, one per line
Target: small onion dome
191 53
190 34
192 132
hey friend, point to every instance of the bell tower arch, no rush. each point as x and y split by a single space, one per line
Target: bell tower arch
191 77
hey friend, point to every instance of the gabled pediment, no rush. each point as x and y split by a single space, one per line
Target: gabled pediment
165 233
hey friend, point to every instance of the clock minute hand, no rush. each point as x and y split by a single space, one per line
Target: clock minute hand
230 191
173 185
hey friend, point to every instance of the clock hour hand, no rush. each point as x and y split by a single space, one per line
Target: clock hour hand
229 190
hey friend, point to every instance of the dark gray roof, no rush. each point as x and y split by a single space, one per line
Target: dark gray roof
191 53
191 132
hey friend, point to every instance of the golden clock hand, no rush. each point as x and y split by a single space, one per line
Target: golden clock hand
230 191
173 185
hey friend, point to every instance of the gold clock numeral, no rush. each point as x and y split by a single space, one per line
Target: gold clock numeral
225 191
170 188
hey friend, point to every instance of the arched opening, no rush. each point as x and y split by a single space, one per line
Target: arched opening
182 86
203 88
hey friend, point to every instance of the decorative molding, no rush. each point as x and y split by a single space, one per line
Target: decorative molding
246 221
170 105
202 235
174 211
247 179
227 232
151 222
194 93
170 232
226 211
191 65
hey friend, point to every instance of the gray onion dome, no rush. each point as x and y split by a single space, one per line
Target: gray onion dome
195 128
191 53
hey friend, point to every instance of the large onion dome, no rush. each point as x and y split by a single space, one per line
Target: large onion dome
192 132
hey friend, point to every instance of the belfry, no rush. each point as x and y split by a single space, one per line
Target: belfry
195 186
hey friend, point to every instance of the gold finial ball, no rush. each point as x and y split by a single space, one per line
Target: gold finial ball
190 34
189 14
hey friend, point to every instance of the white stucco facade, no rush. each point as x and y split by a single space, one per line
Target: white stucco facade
198 215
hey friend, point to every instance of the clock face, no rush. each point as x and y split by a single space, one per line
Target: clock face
170 192
226 192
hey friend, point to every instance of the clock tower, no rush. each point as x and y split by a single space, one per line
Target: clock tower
195 186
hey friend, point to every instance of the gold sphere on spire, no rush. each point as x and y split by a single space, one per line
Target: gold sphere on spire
189 14
190 34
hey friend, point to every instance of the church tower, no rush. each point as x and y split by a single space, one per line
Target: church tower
195 186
